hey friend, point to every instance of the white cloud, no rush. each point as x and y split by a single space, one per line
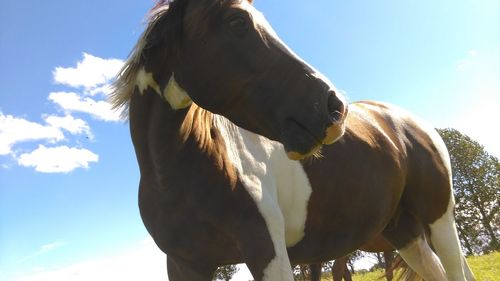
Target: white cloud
73 125
90 73
92 76
14 130
72 102
106 90
61 159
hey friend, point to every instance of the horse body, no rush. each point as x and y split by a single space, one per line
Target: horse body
206 208
219 107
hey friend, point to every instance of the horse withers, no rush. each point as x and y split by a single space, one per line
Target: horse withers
219 109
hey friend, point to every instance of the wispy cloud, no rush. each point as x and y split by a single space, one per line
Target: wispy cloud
144 262
61 159
469 61
43 250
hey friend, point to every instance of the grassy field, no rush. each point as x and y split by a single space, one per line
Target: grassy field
485 268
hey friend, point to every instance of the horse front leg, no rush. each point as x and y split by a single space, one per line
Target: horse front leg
182 270
339 268
263 246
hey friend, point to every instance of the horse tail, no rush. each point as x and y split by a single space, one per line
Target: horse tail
402 271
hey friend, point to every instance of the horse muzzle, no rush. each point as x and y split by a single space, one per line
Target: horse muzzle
337 112
301 142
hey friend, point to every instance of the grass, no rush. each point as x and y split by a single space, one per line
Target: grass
368 276
485 268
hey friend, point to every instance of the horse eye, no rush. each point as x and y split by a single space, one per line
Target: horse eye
238 24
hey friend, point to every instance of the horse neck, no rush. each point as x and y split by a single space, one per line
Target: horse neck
166 139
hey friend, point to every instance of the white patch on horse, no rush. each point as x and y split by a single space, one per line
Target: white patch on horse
146 80
278 186
420 257
175 95
444 234
445 240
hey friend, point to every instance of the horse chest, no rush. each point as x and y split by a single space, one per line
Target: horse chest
279 187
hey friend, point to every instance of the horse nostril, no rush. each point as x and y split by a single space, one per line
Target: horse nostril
336 108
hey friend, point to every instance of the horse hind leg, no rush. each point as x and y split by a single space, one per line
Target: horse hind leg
445 241
420 257
406 234
315 271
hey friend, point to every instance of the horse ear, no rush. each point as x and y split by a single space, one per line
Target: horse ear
250 1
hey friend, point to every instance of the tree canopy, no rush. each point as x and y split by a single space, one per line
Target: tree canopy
476 182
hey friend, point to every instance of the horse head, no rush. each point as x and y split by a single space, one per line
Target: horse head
224 56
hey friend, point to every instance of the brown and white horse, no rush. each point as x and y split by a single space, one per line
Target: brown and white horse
219 108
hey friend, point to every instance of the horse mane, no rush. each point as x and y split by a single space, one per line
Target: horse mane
164 26
124 84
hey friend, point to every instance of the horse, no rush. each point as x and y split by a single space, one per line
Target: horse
242 147
339 270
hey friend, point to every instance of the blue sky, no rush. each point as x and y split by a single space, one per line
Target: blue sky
68 175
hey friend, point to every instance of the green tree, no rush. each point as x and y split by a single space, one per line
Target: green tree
225 272
301 272
476 181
